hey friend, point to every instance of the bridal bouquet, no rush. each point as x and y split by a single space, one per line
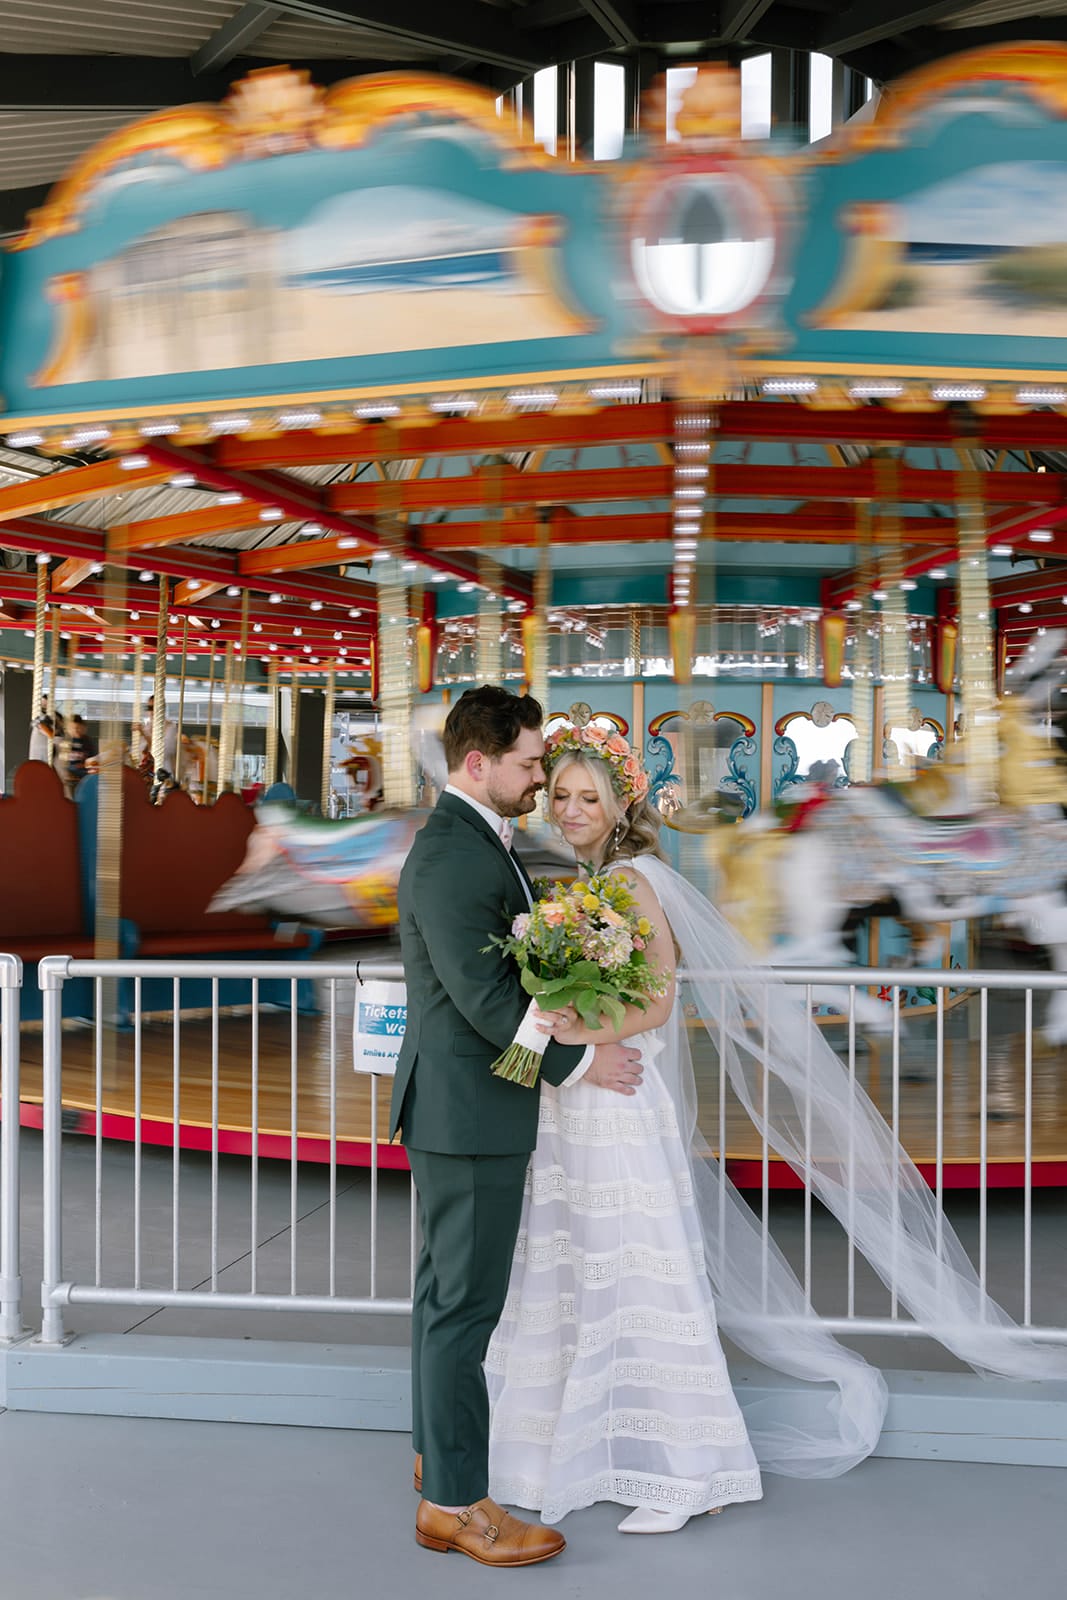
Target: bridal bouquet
583 945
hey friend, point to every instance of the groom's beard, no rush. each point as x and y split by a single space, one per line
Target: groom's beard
512 806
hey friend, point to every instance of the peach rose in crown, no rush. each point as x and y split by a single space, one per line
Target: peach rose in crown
618 746
594 735
554 915
632 767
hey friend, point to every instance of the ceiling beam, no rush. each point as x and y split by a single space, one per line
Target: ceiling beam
498 488
66 488
234 37
867 22
462 27
618 18
739 18
827 524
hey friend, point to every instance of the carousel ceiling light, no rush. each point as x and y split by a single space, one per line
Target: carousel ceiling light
343 650
25 440
312 530
355 613
1026 608
272 647
159 430
692 447
457 403
146 577
182 480
257 627
299 419
853 605
298 633
96 569
307 649
42 559
907 584
349 544
689 491
958 391
696 469
314 605
1000 550
533 399
231 424
466 588
133 463
380 555
875 391
230 497
878 594
410 566
1040 536
86 436
271 514
215 623
193 584
516 605
135 616
338 635
373 412
274 599
937 573
440 577
1040 397
789 386
233 590
688 511
615 391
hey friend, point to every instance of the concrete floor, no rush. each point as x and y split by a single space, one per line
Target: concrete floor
99 1508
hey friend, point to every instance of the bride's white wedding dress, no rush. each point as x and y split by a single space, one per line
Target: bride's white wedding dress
606 1376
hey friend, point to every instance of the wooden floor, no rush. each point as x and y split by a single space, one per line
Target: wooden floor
318 1044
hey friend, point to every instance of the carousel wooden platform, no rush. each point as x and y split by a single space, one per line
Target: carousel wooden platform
322 1052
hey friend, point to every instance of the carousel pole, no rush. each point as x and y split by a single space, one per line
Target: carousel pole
53 682
270 774
40 621
181 700
977 671
294 728
159 682
205 782
861 760
395 659
535 623
241 668
894 637
327 737
226 723
137 731
110 793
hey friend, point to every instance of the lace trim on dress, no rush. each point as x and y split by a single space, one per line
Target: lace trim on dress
599 1126
548 1316
638 1371
651 1427
597 1270
653 1199
632 1489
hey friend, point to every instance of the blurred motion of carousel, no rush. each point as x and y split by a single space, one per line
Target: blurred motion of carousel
670 442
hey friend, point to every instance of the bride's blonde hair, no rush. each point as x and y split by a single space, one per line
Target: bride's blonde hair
639 834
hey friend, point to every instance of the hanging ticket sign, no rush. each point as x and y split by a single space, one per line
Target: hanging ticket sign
379 1020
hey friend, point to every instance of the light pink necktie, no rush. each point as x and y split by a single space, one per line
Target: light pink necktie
507 832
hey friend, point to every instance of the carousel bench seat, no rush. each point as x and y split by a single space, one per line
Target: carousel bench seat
41 903
175 857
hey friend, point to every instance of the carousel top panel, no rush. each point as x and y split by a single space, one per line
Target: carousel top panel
393 239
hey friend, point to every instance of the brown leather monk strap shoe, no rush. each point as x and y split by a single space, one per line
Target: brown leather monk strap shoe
486 1533
417 1480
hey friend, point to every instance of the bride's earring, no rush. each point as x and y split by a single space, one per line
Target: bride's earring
616 838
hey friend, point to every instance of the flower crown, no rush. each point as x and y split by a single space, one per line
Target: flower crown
628 777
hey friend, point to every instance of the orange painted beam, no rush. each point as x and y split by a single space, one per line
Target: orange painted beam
183 526
70 573
508 487
194 591
827 524
304 554
76 483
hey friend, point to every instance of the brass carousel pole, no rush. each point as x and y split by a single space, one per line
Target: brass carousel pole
159 683
226 724
860 761
181 700
535 623
294 728
205 782
395 659
241 684
327 737
53 689
977 677
110 797
40 618
270 774
137 731
894 638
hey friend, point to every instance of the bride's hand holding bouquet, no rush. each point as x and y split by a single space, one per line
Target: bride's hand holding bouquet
583 947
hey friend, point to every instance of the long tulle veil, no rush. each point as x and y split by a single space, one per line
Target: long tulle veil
814 1115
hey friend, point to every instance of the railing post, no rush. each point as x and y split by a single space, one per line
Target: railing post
10 1270
51 975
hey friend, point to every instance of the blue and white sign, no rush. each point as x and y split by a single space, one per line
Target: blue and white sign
381 1015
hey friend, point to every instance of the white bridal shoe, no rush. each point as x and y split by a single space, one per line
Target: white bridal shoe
645 1520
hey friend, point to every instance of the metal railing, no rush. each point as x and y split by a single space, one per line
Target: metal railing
10 1271
201 1271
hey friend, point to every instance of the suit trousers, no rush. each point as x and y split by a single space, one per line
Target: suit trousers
469 1211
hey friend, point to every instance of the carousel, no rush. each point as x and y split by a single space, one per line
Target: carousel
752 453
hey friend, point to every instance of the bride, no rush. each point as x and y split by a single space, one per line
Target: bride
606 1375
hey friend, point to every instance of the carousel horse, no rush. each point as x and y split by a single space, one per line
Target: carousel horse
789 885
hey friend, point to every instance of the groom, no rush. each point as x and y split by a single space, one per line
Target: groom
469 1134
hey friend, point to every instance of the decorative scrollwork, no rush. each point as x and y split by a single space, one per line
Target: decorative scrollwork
664 781
786 762
740 781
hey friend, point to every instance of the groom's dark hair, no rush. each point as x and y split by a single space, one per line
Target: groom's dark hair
488 719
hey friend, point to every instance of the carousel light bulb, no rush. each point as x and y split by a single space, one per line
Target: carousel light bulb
307 649
440 577
215 623
355 612
25 440
96 569
257 627
271 514
410 566
1040 397
158 430
314 605
135 616
878 594
275 599
1026 608
369 412
182 480
133 463
1000 550
298 633
146 577
233 591
343 651
907 584
42 559
937 573
466 588
338 636
1040 535
230 497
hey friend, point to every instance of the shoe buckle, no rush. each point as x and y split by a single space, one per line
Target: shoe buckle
464 1517
492 1533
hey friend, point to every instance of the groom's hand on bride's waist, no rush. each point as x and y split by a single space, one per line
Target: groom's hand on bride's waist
615 1066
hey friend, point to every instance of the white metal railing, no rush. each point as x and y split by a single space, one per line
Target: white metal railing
10 1272
124 1282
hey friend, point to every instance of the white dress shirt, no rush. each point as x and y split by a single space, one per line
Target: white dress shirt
496 822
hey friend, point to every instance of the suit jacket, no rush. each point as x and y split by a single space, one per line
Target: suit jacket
458 886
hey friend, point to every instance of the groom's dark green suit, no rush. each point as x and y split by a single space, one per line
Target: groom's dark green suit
468 1134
